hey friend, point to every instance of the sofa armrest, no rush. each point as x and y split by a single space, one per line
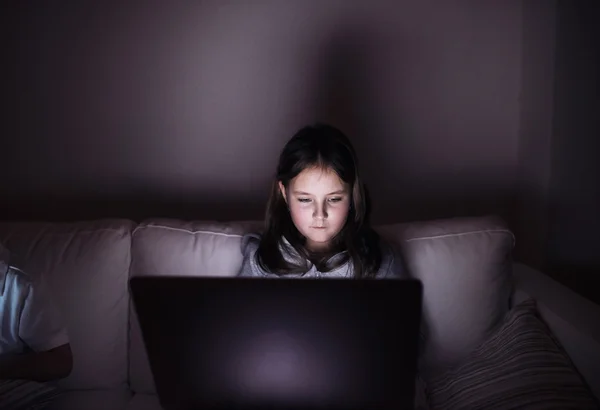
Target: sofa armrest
572 319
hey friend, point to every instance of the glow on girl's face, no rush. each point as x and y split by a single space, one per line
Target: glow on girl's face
319 202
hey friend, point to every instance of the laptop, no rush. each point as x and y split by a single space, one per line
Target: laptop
254 343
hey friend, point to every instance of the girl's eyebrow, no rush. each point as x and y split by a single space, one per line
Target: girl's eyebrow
338 192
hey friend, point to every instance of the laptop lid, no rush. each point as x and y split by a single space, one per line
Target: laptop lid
230 342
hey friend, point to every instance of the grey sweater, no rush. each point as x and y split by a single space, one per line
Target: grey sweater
391 266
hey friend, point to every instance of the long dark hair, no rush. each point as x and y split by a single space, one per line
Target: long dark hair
325 147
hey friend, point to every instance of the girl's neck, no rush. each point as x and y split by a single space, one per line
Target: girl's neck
323 251
318 248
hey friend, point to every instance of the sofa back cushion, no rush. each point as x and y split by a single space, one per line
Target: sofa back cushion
179 248
86 267
465 266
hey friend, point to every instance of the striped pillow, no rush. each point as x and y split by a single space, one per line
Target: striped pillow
521 365
26 395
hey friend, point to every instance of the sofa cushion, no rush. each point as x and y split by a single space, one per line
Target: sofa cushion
465 266
180 248
86 267
521 365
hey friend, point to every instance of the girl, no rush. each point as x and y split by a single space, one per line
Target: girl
317 223
317 216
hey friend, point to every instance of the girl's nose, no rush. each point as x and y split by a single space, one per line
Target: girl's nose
320 213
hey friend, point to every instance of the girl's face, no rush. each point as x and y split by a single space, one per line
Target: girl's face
319 202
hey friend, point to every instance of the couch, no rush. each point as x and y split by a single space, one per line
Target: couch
470 283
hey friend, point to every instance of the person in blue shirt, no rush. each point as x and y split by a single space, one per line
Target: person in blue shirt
34 344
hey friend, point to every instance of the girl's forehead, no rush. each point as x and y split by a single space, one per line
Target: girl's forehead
318 177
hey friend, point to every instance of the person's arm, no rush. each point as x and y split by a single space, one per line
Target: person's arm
52 364
41 329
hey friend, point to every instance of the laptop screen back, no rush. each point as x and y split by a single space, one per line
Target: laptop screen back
265 343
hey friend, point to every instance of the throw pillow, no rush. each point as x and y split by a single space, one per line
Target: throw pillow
520 365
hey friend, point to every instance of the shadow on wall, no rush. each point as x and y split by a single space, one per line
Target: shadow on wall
345 94
528 224
344 97
65 208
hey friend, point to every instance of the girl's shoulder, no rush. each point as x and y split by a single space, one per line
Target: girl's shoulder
392 265
250 242
249 247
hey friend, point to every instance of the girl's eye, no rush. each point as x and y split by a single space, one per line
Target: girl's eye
304 200
336 199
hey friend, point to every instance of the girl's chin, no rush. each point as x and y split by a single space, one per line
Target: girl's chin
319 241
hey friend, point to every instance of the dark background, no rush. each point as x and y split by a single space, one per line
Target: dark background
456 108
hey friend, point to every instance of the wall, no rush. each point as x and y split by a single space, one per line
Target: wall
573 245
181 109
536 110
